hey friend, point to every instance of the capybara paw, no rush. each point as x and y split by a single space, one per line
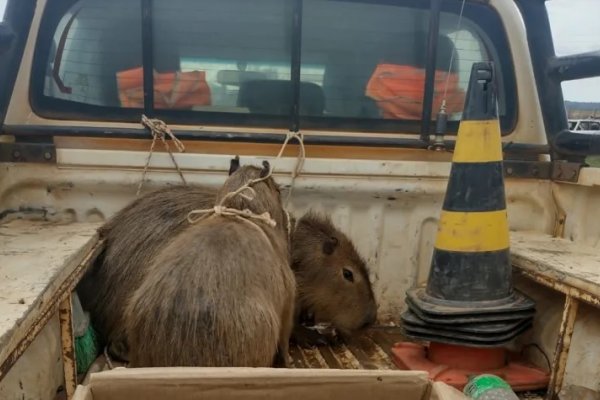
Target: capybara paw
307 338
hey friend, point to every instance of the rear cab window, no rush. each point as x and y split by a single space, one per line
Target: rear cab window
328 65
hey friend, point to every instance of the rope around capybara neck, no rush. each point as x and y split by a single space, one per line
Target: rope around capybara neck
220 209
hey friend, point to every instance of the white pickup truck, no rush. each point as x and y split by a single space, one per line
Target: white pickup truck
233 77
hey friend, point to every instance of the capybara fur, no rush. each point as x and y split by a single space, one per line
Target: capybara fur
136 234
133 237
221 293
332 278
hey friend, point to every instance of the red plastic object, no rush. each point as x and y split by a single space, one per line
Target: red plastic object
454 364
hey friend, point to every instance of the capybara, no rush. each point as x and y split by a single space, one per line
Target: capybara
221 293
132 238
136 233
332 278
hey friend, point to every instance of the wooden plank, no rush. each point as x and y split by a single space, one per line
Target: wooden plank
557 260
36 257
258 383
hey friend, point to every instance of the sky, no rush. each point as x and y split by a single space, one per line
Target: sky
575 29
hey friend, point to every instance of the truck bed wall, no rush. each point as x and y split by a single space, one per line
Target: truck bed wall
389 208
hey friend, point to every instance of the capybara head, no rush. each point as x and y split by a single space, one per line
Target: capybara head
264 197
333 280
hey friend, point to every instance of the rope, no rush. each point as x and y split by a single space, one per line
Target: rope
299 160
195 216
107 357
230 212
160 130
246 215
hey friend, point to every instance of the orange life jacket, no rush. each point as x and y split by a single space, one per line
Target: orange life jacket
398 91
177 90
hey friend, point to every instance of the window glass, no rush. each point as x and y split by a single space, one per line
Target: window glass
223 56
370 64
92 42
365 36
464 46
229 62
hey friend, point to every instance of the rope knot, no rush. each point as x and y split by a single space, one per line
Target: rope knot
160 130
223 211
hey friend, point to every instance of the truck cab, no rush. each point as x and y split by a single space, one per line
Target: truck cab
234 77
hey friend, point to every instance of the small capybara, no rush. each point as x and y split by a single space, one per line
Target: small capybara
332 278
221 293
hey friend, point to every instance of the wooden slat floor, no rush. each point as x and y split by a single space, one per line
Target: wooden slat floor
367 350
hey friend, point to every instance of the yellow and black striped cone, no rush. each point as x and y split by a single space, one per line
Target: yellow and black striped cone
469 298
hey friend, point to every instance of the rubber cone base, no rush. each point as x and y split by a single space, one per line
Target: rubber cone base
472 323
494 310
454 365
474 335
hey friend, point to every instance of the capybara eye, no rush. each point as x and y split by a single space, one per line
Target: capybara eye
348 275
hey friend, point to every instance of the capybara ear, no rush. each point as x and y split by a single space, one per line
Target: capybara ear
329 245
234 164
266 169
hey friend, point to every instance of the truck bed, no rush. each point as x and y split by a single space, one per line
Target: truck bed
370 349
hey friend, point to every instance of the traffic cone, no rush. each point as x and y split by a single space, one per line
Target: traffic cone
469 308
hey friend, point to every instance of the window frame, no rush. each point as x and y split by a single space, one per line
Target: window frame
60 109
17 20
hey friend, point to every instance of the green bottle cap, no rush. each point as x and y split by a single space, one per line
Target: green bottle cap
482 383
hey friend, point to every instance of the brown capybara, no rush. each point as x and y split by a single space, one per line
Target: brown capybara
333 283
221 293
133 237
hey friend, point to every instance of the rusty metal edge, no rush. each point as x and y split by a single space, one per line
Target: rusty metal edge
563 171
567 290
572 298
28 152
527 169
563 345
559 171
65 315
63 291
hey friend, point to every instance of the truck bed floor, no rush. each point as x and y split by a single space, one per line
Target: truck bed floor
367 350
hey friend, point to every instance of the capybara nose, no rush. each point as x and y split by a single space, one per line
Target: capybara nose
371 317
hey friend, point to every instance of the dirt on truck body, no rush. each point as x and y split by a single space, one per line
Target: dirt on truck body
367 96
